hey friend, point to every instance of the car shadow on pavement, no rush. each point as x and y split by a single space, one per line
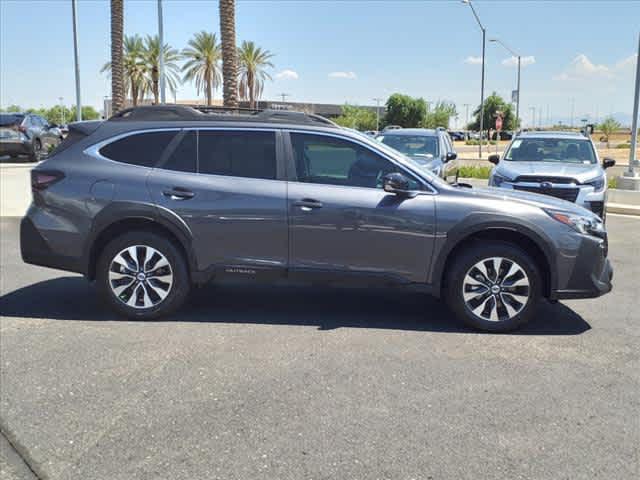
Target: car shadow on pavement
73 298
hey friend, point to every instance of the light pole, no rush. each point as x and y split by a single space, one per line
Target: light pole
484 36
633 158
377 100
61 109
161 53
495 40
74 7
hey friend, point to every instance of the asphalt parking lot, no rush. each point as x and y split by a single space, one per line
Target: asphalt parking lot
274 383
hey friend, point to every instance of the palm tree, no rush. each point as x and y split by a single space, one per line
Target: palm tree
229 60
152 61
202 65
117 79
253 62
135 70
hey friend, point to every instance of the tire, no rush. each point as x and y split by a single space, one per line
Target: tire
147 296
36 154
501 304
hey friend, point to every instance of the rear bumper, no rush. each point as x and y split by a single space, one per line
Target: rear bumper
15 148
35 250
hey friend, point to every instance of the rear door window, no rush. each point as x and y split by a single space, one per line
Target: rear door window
184 156
249 154
142 149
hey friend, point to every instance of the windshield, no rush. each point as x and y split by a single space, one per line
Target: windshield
551 150
417 146
430 176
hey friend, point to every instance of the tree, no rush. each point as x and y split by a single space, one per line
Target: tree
88 113
252 63
152 62
356 117
608 126
134 69
229 53
492 104
59 115
202 65
405 111
12 108
117 79
439 116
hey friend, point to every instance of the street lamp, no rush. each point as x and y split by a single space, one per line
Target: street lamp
161 41
495 40
484 34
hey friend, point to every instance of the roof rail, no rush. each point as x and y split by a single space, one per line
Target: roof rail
170 112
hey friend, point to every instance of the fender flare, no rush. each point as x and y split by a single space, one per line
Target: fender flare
479 222
118 211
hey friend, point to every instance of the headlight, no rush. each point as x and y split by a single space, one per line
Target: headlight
588 225
596 183
497 180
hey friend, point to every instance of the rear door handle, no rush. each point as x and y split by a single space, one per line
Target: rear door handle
179 193
307 204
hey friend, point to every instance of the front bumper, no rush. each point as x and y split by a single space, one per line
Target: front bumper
591 274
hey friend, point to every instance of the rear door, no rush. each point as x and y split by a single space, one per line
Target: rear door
228 187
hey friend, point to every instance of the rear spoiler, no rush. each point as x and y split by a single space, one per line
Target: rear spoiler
77 131
85 128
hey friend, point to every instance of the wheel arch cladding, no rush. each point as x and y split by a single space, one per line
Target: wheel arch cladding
109 231
525 240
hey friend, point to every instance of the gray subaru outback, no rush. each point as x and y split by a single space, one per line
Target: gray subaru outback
157 200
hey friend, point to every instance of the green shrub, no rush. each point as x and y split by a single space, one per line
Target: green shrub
612 182
477 142
623 145
474 171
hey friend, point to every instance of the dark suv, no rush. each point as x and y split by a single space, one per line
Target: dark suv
27 134
159 199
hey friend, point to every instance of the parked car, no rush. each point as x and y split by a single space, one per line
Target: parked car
26 134
458 136
560 164
429 149
159 199
371 133
504 135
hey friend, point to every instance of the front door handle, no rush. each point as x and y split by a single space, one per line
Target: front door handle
307 204
179 193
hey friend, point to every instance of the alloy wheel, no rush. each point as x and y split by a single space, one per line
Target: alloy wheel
140 276
496 289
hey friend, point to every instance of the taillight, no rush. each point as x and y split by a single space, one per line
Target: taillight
43 179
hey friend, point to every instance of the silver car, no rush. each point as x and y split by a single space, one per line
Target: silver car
560 164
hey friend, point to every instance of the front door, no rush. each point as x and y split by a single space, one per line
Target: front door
342 221
226 186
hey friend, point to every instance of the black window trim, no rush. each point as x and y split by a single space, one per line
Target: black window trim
292 175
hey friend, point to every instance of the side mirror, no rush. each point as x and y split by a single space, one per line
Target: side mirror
395 183
451 156
494 159
608 162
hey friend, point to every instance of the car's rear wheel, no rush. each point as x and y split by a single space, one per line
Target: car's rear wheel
493 286
143 275
36 155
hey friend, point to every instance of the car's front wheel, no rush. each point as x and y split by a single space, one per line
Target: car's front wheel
143 275
493 286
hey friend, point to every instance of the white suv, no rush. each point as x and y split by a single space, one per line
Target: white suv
561 164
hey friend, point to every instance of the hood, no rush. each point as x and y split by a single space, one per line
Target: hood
429 162
579 171
532 199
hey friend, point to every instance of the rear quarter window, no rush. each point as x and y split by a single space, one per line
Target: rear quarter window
142 149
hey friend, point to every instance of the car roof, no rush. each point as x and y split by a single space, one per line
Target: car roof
427 132
553 134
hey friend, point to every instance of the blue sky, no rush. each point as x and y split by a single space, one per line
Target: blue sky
351 51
